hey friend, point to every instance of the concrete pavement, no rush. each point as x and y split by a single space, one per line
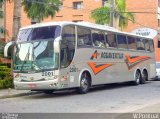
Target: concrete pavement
10 93
148 101
149 109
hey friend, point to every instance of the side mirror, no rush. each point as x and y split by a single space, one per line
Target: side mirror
57 44
8 48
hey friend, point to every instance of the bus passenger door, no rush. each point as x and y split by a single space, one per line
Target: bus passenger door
67 50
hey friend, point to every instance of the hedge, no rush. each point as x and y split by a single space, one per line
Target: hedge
6 83
2 44
6 80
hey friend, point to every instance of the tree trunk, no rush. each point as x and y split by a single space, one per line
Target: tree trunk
116 22
16 18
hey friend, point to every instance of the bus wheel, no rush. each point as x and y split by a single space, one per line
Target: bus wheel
84 84
137 78
48 91
144 77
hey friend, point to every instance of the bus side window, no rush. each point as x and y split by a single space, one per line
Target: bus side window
67 46
147 47
111 37
151 44
107 43
98 39
132 43
122 41
140 44
84 37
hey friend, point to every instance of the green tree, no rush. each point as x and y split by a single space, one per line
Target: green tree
41 9
121 16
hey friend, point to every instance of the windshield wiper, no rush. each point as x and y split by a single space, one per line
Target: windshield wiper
37 64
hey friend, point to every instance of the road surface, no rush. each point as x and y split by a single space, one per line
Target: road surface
115 98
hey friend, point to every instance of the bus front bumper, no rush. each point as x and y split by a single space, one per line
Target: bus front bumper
42 85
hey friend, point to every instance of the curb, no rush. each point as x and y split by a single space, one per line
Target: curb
18 95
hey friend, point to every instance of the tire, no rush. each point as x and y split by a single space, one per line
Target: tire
84 84
158 79
48 91
137 78
144 77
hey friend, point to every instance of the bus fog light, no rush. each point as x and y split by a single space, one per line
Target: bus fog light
51 85
48 79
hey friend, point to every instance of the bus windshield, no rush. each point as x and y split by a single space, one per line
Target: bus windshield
35 49
36 56
40 33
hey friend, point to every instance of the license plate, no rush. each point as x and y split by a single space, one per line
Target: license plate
32 85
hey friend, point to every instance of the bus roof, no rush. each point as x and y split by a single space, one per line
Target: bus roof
85 24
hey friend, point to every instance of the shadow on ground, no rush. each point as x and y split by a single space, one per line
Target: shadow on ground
72 92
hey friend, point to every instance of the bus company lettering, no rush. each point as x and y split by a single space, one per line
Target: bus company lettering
107 55
112 55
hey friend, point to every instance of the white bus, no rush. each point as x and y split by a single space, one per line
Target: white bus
60 55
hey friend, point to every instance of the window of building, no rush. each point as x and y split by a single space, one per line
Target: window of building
77 20
83 37
121 41
60 16
98 39
132 43
77 5
158 22
67 46
111 40
158 43
35 20
104 2
61 6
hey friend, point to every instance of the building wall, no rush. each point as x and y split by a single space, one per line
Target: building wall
69 14
9 19
143 19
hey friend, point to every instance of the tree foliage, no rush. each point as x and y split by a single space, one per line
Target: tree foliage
41 9
102 14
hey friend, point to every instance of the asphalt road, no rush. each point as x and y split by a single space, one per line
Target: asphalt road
115 98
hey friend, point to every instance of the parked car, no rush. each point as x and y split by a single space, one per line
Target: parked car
158 70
